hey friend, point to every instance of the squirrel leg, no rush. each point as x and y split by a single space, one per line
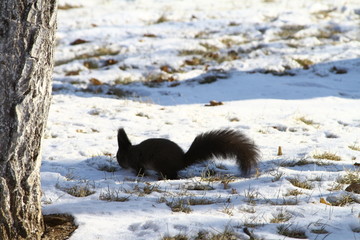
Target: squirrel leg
140 172
168 175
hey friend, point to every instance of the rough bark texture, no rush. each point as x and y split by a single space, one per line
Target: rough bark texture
26 62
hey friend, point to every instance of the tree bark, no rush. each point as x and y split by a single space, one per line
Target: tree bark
26 62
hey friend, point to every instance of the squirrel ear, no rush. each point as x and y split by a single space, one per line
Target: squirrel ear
123 140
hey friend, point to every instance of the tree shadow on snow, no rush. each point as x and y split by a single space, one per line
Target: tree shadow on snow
332 79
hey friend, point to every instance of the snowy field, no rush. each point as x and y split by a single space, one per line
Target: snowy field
285 73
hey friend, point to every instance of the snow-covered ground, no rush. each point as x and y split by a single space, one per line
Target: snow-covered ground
287 74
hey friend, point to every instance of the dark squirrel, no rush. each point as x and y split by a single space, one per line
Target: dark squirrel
167 158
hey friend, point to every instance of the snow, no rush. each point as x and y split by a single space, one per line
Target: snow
294 60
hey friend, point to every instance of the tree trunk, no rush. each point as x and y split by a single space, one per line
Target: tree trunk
26 62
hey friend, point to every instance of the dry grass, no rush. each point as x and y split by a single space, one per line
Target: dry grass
228 209
304 63
187 52
307 121
305 184
321 230
208 53
209 47
292 232
248 209
161 19
351 176
200 201
284 202
94 53
176 237
78 190
251 195
113 195
355 147
229 42
323 14
336 187
281 217
141 114
227 234
179 205
209 174
277 175
200 187
327 156
301 162
68 6
294 192
142 189
288 31
345 200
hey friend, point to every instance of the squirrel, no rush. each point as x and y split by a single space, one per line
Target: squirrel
167 158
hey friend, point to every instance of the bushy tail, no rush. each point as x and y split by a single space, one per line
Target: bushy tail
224 143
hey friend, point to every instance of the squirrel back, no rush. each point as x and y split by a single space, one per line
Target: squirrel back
167 158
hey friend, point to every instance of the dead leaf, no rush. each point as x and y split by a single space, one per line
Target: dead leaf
166 68
213 103
110 62
95 82
322 200
149 35
72 73
78 41
194 61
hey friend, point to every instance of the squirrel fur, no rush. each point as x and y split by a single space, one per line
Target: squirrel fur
167 158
